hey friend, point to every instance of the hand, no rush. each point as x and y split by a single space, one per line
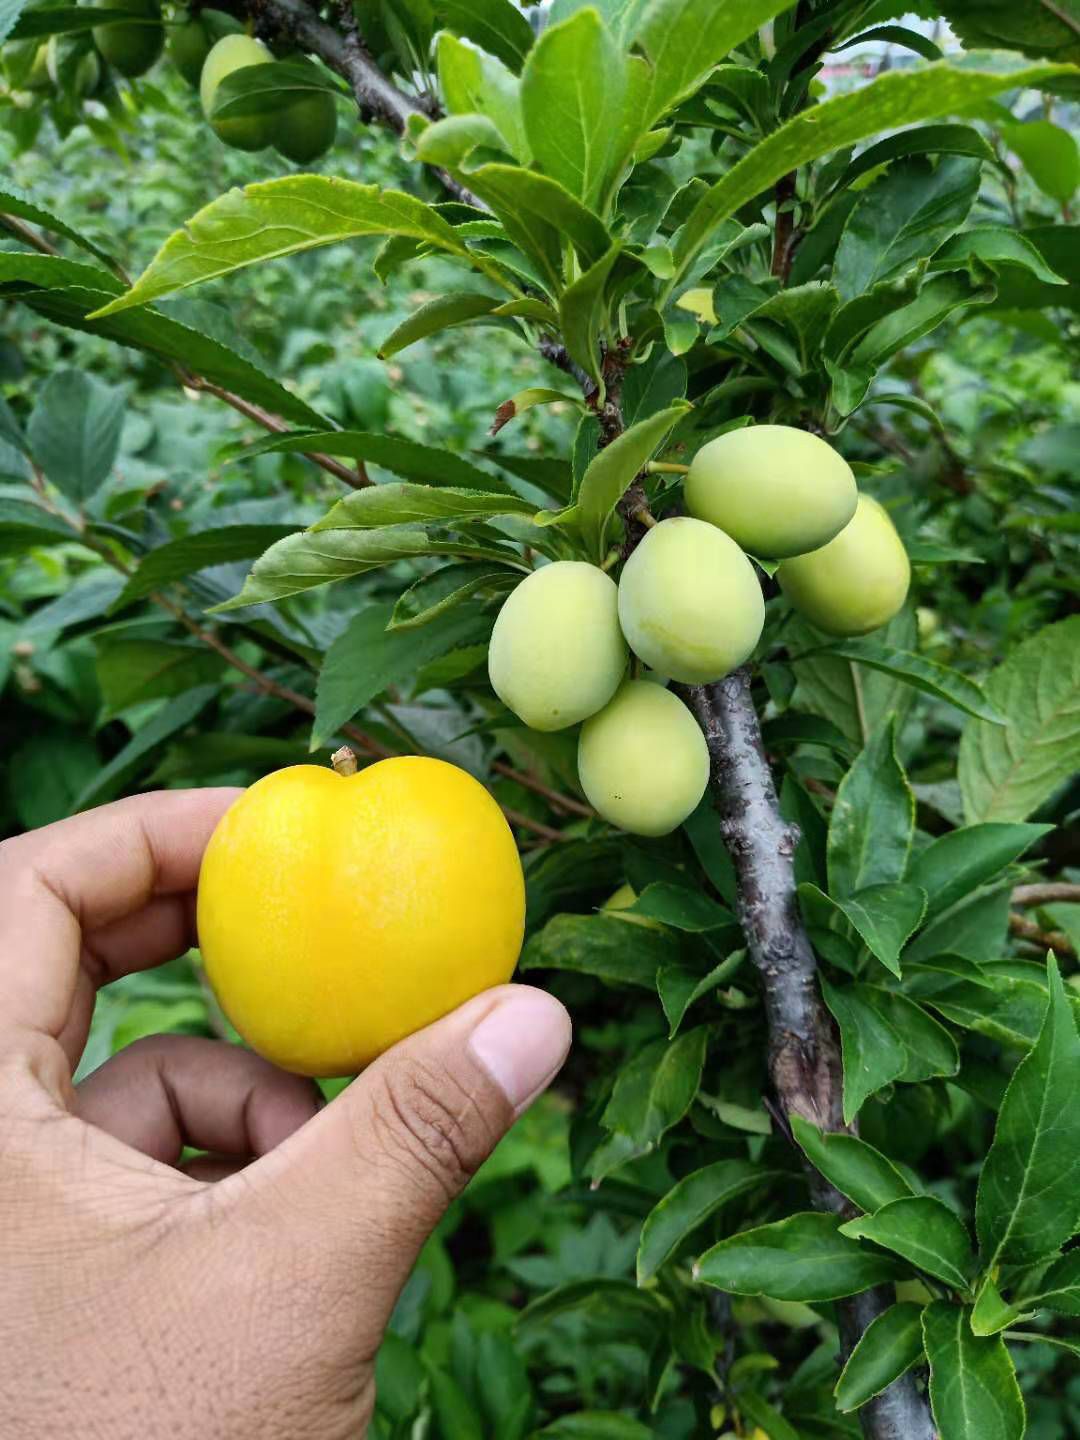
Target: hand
247 1294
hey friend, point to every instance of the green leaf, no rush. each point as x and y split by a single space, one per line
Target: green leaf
304 560
613 471
922 674
887 1349
973 1389
600 945
973 929
935 302
766 1418
165 723
527 399
851 1165
653 1092
679 987
680 908
805 1257
422 463
991 1314
652 385
178 558
595 1425
572 90
925 1231
281 217
497 26
16 201
473 82
902 218
1050 154
890 99
1059 1287
24 524
874 1054
994 246
948 139
1007 771
931 1050
453 140
583 312
133 671
885 916
956 864
74 432
404 504
433 316
1029 1191
689 1204
367 657
873 819
855 699
432 595
87 598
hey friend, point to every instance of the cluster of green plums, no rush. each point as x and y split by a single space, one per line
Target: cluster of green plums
205 47
689 606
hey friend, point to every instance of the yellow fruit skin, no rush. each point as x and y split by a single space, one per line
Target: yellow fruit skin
236 52
557 654
689 602
337 915
854 583
775 490
643 761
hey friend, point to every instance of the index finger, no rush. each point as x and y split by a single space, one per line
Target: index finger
67 880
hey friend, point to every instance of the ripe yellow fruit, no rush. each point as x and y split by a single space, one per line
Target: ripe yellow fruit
236 52
857 581
133 48
643 762
337 914
689 602
775 490
557 654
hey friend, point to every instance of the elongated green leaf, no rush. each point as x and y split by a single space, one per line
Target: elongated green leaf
497 26
1029 1190
23 524
956 864
423 463
433 316
679 987
476 83
74 431
805 1257
133 671
598 945
948 139
16 201
973 1389
681 908
403 504
446 588
853 1166
922 674
885 917
873 1052
1059 1287
930 1048
887 1349
923 1230
990 1313
302 561
595 1425
994 246
528 398
90 596
613 470
653 1092
896 97
582 312
280 217
166 722
367 657
689 1204
1006 771
190 553
872 820
936 300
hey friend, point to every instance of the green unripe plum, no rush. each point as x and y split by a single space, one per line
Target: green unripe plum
689 602
131 49
642 761
87 73
231 53
857 581
307 126
187 47
39 77
775 490
557 654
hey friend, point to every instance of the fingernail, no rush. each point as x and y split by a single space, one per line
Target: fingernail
522 1043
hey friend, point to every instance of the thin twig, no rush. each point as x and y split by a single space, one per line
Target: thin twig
1056 940
1049 892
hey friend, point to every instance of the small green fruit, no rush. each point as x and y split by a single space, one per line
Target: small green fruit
689 602
307 126
133 48
63 52
557 654
187 47
642 761
38 76
775 490
857 581
231 53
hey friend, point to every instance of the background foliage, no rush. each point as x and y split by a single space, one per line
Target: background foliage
925 318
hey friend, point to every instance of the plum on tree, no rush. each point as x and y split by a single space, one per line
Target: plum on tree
85 76
307 126
557 654
188 46
232 53
689 602
856 582
131 48
776 490
642 761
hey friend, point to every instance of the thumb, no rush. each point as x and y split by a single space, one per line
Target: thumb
373 1174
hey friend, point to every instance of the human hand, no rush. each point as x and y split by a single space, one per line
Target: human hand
246 1295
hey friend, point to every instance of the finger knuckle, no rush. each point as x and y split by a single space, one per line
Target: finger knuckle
434 1121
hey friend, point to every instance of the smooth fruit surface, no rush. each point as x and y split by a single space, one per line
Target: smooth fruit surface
643 761
131 49
689 602
188 46
557 654
236 52
337 915
776 490
307 127
855 583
